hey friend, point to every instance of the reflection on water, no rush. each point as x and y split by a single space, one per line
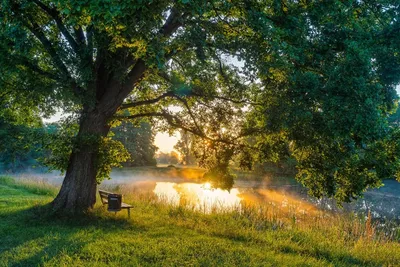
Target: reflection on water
289 199
199 196
178 185
282 199
204 198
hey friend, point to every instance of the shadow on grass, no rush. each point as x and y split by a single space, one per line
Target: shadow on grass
339 258
35 235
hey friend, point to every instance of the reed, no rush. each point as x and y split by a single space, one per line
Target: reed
270 215
161 233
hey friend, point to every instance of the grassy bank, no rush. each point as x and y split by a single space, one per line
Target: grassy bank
161 234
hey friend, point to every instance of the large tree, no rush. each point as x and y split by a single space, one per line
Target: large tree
314 72
93 55
329 72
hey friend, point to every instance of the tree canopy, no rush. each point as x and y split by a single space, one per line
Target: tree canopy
262 80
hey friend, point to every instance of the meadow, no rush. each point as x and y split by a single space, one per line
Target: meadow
162 234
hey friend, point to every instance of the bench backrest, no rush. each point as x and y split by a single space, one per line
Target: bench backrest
104 196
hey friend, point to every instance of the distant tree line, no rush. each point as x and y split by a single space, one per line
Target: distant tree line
19 148
25 147
139 141
168 158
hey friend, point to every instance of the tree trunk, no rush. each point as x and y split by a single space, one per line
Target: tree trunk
78 191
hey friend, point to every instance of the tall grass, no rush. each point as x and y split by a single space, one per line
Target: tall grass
162 234
31 185
346 226
255 217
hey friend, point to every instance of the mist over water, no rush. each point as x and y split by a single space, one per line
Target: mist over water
180 186
185 185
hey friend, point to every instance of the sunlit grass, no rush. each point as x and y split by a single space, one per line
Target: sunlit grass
293 214
32 185
162 233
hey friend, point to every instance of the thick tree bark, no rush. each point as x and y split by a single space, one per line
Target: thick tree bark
78 191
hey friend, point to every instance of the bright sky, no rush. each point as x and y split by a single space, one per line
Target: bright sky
164 142
56 117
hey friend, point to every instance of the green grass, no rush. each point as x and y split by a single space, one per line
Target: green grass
38 187
159 234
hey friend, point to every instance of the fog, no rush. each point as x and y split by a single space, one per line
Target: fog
178 185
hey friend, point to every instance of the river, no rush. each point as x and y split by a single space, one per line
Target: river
182 185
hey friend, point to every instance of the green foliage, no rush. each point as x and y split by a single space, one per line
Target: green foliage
316 84
326 91
394 119
20 130
62 139
19 146
59 143
111 154
138 141
215 158
220 176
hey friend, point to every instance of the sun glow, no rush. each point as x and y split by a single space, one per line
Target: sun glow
199 196
207 186
165 142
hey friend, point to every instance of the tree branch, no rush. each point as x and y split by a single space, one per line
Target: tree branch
171 119
37 69
36 30
147 102
89 37
179 63
137 72
192 93
234 101
56 16
174 121
80 36
172 24
185 103
38 33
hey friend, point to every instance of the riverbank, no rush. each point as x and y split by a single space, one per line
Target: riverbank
270 185
161 234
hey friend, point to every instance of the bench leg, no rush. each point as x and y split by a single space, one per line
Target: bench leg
129 213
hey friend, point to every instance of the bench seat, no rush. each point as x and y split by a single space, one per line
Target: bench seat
125 206
104 200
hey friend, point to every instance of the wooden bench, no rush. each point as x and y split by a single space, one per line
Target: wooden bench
104 200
